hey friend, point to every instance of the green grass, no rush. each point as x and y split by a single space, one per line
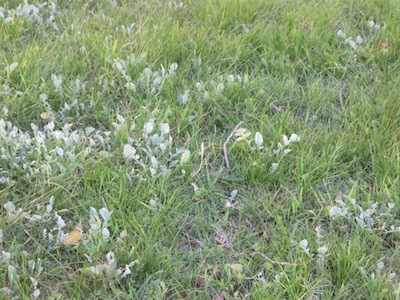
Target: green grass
171 224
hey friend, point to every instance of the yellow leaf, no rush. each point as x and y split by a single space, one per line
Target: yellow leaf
74 236
236 268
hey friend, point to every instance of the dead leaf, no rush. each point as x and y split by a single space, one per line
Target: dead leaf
392 243
342 228
265 235
236 268
189 246
217 274
384 45
379 226
44 115
184 295
219 296
74 236
222 238
200 281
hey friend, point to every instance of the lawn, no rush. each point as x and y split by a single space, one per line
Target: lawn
200 149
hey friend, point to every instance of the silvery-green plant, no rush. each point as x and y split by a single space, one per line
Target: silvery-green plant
347 209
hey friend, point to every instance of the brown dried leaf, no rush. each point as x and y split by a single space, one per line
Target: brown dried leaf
392 243
266 236
236 268
219 296
384 45
200 281
342 228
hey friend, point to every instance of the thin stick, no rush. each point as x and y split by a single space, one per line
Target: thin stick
282 263
228 166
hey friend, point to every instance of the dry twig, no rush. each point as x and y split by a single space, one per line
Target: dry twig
282 263
228 166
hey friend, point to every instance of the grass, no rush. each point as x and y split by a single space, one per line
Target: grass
116 113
